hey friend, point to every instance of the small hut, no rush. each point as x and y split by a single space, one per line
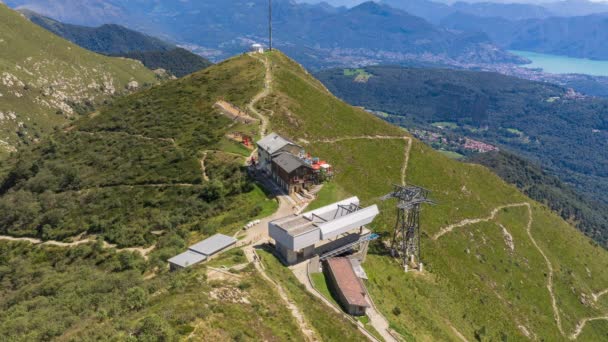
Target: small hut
257 48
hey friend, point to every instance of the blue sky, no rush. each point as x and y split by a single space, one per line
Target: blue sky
355 2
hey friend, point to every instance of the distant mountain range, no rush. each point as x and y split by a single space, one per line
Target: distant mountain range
575 28
436 11
316 35
106 39
583 37
119 41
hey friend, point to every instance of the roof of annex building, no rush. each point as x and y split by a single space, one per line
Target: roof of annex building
274 142
347 281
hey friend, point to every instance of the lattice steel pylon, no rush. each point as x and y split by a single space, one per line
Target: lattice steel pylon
405 243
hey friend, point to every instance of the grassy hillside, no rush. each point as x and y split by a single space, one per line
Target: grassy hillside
146 147
86 293
130 170
537 120
475 284
478 282
131 175
46 81
588 215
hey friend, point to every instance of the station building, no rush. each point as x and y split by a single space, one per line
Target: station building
321 231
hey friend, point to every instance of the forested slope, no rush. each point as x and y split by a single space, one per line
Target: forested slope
566 132
478 283
118 193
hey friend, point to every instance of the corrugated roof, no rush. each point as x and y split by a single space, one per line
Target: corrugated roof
347 281
188 258
273 143
288 162
213 244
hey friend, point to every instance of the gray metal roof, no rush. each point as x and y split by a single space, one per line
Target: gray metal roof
288 162
213 244
188 258
274 142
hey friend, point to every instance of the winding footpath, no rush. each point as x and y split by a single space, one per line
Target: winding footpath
256 234
264 121
596 296
203 169
406 157
556 315
141 250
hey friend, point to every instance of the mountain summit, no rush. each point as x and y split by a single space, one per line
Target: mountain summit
158 171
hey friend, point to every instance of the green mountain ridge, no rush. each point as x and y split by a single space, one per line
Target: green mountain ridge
179 62
118 41
543 282
46 81
563 131
107 39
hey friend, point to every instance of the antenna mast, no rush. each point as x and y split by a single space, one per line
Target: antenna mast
270 24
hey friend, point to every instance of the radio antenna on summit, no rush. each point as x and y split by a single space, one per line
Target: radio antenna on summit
270 25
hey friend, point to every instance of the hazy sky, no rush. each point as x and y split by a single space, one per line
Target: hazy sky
355 2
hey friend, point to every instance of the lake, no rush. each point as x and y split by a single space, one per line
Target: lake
564 65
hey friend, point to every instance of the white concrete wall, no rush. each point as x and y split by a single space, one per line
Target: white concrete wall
294 242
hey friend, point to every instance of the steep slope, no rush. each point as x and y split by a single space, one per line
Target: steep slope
545 281
179 62
478 284
144 146
590 216
118 41
106 39
46 81
537 120
153 172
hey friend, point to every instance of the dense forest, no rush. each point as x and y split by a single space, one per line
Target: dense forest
180 62
564 131
590 216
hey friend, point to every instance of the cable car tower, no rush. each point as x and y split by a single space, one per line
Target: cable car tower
405 243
